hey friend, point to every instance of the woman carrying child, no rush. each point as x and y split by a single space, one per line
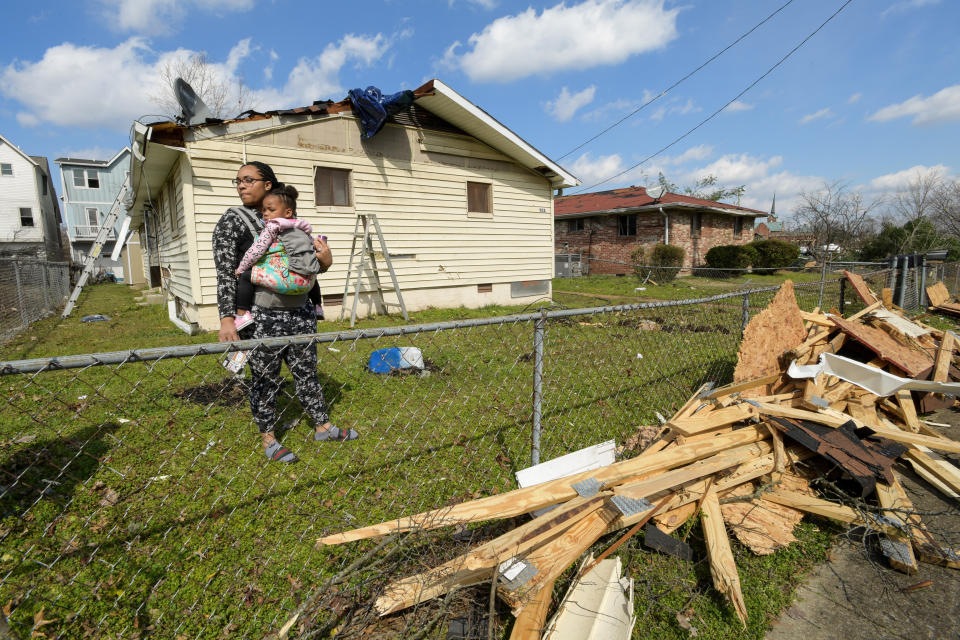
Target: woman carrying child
280 315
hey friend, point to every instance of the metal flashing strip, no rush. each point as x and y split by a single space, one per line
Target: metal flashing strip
820 402
630 506
587 488
707 388
514 573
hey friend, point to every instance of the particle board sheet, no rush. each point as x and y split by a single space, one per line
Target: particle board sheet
915 363
938 294
778 328
860 286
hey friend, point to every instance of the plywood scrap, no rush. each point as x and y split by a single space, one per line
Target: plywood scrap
938 294
860 287
726 580
915 363
776 329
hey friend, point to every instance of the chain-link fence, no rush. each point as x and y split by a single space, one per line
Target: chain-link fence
575 265
136 499
29 290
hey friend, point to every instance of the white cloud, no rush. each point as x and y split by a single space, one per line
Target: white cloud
810 117
907 5
854 98
268 70
941 107
674 108
593 170
699 152
658 115
566 105
738 168
581 36
900 179
108 87
160 17
737 105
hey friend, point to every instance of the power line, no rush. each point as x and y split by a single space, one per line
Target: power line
734 99
678 82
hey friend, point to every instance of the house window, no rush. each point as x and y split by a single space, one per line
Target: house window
575 225
331 187
78 178
737 226
478 197
626 225
6 169
93 179
696 224
26 217
93 216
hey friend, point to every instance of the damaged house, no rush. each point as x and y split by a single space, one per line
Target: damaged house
465 204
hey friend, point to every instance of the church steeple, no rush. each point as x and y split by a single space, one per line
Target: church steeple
773 207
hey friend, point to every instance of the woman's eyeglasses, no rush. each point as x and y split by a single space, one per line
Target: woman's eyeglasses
247 180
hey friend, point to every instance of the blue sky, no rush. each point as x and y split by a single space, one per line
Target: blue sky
872 99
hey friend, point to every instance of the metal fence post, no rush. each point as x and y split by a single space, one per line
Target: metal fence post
843 293
905 271
538 330
20 304
746 312
923 283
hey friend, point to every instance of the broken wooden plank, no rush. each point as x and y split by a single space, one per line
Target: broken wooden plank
941 469
708 420
896 547
532 619
886 296
520 501
726 580
860 287
737 387
939 444
908 409
825 509
941 365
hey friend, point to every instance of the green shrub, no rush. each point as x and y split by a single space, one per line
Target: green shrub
638 258
731 256
773 255
669 259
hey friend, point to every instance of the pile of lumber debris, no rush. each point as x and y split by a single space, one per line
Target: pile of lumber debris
838 394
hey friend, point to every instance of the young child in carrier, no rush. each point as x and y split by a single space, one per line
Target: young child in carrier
279 214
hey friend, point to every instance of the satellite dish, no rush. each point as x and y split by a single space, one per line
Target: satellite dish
656 192
193 110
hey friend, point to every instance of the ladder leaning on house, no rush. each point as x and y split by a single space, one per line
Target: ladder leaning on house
366 220
118 209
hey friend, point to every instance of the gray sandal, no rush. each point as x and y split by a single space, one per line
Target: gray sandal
278 452
335 433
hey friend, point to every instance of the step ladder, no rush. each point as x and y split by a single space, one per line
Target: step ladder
370 228
118 209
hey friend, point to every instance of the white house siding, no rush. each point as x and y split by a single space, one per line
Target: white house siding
174 249
415 181
16 191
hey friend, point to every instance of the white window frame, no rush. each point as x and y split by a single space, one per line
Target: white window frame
96 216
33 221
79 176
95 175
9 169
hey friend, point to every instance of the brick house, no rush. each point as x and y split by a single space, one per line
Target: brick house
606 226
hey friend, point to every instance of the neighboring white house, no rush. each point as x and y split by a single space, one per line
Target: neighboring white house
29 214
89 189
465 204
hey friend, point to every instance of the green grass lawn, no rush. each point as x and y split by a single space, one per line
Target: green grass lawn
137 501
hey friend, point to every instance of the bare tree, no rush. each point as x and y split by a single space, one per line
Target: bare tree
835 216
225 95
946 207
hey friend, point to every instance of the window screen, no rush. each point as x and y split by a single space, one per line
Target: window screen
331 187
478 197
78 180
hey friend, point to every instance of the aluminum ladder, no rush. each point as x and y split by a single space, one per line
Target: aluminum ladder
370 228
118 209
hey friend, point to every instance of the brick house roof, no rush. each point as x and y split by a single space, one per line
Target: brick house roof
636 198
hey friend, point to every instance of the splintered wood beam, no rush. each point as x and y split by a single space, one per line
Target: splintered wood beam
866 310
532 618
712 419
905 402
941 366
825 509
812 392
552 558
520 501
816 318
940 444
737 387
897 549
692 404
826 417
726 580
474 566
941 469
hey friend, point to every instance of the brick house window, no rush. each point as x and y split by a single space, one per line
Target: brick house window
26 217
6 169
478 197
575 225
696 224
737 226
626 226
331 187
